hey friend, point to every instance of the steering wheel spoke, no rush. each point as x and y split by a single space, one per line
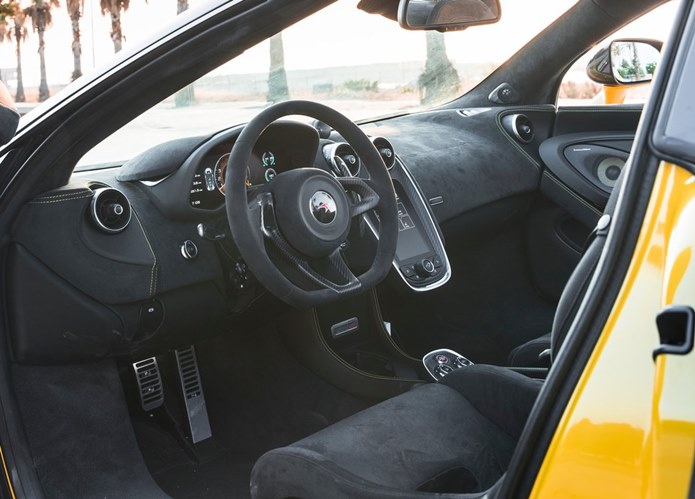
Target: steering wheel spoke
333 263
367 199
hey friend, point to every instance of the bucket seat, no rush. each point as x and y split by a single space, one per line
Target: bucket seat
454 436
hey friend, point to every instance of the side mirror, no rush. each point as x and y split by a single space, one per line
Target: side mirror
447 15
625 62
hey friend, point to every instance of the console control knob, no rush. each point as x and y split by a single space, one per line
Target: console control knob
189 250
425 268
442 370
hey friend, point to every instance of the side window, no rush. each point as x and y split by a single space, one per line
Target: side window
577 89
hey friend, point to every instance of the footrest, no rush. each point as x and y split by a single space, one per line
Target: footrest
443 361
193 396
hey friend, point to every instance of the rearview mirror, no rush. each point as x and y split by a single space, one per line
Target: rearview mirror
447 15
625 62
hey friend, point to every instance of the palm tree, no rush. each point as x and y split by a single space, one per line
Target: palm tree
277 77
20 34
12 27
440 80
40 14
114 9
75 8
185 96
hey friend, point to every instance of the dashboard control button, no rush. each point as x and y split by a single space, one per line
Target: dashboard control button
424 268
189 250
442 370
462 362
437 261
408 270
151 316
442 359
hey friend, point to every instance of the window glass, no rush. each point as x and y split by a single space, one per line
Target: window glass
577 89
363 65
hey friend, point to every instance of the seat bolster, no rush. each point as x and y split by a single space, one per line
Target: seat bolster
398 445
275 476
526 354
502 396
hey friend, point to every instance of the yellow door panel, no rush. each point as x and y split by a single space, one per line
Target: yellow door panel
629 421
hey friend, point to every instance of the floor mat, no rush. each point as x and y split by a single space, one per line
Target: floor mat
80 433
258 398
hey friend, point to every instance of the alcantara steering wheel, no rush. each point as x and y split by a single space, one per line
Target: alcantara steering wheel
303 216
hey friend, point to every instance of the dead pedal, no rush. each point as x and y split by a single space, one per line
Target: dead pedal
193 396
149 383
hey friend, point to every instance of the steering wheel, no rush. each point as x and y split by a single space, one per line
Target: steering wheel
303 216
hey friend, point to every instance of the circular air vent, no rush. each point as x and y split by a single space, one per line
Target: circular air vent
110 210
342 156
385 150
520 126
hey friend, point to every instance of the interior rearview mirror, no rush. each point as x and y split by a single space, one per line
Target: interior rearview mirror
447 15
625 62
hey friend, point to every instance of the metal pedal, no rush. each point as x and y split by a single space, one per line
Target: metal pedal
193 394
149 383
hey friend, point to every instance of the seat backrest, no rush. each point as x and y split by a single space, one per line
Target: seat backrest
579 281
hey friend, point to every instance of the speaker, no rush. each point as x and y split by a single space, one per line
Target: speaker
608 170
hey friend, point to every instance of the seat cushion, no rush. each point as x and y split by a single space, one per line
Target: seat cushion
526 354
401 445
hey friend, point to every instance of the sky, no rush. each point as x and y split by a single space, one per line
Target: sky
311 43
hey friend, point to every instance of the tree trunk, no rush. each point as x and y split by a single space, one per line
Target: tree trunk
18 31
41 28
439 80
277 77
185 96
116 33
76 45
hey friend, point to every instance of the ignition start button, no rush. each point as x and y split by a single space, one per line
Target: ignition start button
189 250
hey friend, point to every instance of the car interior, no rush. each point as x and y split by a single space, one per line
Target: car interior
302 307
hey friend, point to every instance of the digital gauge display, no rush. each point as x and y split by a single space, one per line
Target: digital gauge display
208 186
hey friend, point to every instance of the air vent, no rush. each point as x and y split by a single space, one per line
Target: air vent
388 154
110 210
519 126
149 383
343 159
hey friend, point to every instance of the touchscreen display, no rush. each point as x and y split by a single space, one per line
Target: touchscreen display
410 241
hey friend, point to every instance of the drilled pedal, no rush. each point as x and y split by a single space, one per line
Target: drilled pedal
193 396
149 383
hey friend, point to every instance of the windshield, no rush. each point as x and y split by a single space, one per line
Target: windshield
363 65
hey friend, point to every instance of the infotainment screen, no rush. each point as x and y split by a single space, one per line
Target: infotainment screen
410 241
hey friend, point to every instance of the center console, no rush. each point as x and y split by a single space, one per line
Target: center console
420 260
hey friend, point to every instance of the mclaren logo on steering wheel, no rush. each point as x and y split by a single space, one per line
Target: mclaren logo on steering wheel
323 207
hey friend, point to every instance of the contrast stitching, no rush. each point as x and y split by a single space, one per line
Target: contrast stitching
498 121
66 194
317 330
566 189
153 272
60 199
380 319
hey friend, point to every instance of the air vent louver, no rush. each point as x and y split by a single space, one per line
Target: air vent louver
388 154
519 126
110 210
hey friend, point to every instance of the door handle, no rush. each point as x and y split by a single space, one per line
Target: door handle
675 324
